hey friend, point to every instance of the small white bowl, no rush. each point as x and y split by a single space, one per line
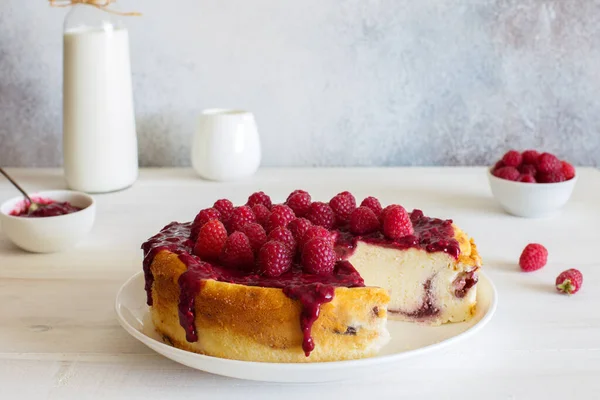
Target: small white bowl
49 234
531 200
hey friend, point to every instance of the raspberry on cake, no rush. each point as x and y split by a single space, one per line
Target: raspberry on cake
308 292
299 201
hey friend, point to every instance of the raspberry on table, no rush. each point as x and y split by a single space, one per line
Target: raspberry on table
568 170
281 215
533 257
259 198
512 158
202 218
240 216
274 259
569 281
530 157
397 223
237 252
261 213
507 173
343 204
374 204
363 221
526 178
547 162
299 202
225 207
321 214
298 227
256 235
528 169
284 236
211 239
313 232
318 257
551 177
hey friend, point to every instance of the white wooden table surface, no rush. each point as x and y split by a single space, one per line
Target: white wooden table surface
59 338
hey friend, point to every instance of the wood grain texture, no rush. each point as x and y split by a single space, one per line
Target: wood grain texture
59 337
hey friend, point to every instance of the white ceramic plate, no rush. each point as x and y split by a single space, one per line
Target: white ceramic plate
407 340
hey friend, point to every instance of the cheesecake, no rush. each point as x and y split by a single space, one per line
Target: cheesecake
305 281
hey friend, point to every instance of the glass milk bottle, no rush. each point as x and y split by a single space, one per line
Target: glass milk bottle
99 132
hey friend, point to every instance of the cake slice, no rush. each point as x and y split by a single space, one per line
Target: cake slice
429 287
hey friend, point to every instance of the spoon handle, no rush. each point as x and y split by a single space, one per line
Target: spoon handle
16 185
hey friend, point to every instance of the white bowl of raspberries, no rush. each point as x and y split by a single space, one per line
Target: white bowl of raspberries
532 184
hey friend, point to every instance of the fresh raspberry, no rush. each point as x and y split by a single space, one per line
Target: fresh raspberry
373 204
284 236
498 165
261 213
551 177
512 158
281 215
211 239
274 259
202 218
259 198
318 257
363 221
508 173
321 214
313 232
298 227
388 209
299 201
237 252
530 157
256 235
342 205
397 223
568 170
225 207
569 281
296 192
526 178
548 163
239 217
533 257
284 210
528 169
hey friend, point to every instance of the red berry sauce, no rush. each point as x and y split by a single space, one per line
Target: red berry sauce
430 234
50 208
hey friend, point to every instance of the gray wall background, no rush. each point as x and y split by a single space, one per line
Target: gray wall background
331 82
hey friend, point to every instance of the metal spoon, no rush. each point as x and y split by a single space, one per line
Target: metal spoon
32 204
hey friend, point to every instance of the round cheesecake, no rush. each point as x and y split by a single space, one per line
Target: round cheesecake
395 265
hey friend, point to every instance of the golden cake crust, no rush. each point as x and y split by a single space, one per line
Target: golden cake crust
469 254
254 323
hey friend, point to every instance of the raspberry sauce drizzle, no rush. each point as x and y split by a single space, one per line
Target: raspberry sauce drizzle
431 234
311 297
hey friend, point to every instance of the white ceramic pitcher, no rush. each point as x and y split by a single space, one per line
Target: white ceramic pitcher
226 145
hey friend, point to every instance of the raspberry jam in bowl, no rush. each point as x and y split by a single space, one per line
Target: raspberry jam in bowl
532 184
64 218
